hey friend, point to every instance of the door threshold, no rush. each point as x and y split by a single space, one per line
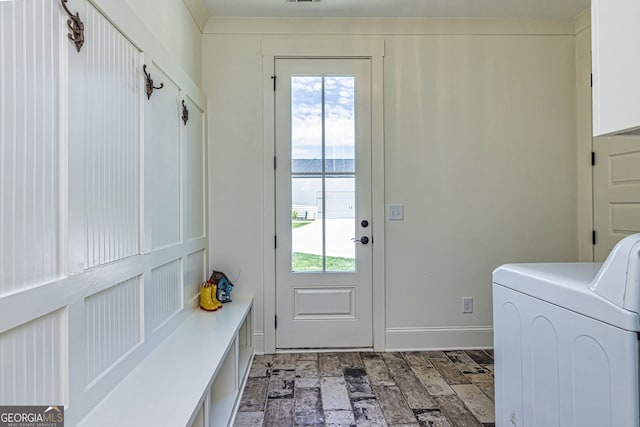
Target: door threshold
324 350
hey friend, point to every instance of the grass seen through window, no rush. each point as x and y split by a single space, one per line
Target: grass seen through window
309 262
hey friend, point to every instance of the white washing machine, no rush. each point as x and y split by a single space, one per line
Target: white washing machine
566 342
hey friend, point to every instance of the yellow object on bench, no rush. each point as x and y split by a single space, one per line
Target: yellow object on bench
208 300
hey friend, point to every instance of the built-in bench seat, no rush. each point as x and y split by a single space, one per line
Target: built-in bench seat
193 378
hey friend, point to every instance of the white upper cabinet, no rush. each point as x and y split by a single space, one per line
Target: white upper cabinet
616 66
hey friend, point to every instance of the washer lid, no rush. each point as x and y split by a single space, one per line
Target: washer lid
609 292
618 280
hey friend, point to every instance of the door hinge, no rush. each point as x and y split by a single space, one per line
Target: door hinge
275 242
591 84
275 162
275 319
274 82
593 237
593 158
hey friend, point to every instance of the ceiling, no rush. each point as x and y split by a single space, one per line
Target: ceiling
544 9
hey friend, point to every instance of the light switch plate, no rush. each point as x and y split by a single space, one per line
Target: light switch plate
395 212
467 305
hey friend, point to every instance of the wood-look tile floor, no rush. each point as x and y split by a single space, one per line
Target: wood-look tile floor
435 389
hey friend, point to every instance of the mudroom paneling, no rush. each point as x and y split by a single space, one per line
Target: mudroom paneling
92 177
112 142
33 45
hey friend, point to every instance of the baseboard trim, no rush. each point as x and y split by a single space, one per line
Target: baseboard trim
423 339
439 338
258 342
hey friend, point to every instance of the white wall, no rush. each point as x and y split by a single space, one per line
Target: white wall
480 147
171 23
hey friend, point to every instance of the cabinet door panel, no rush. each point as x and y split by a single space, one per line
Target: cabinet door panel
616 66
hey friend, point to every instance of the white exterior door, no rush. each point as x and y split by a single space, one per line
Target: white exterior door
616 191
323 203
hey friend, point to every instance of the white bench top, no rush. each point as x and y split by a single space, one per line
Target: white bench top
166 387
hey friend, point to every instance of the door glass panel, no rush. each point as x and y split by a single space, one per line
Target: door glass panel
306 124
322 173
339 124
306 226
339 223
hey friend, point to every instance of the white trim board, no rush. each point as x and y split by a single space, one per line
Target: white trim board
258 342
387 26
582 22
439 338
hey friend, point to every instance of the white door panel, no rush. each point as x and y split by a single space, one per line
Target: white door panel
323 302
616 191
323 193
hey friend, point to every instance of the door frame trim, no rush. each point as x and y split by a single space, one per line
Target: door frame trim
323 48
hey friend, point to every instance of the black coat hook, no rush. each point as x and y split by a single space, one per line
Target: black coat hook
150 86
76 27
185 113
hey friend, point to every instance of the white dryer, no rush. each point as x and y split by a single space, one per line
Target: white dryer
566 342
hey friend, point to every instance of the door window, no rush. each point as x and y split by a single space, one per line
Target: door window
323 208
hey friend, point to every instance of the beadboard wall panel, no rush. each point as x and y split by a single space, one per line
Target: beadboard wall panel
112 142
194 194
33 362
194 274
162 139
31 54
113 325
93 260
164 294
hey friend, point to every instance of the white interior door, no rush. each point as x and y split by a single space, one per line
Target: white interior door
323 203
616 191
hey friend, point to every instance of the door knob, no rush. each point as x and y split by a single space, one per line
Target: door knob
364 240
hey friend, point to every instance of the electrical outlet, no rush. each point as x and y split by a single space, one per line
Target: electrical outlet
467 305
